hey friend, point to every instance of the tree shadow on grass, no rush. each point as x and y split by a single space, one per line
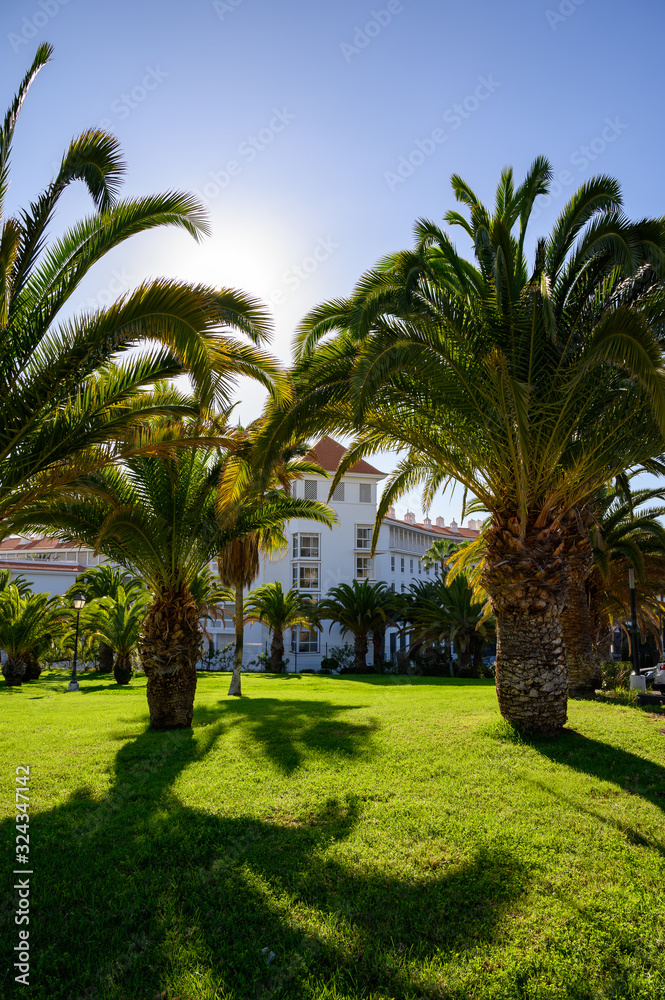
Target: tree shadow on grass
634 774
136 895
285 730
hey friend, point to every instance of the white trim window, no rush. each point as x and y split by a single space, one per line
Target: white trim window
363 536
338 493
305 577
365 493
307 640
363 568
311 489
306 546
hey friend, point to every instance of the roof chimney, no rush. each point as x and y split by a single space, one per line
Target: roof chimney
391 512
427 523
409 517
440 523
453 525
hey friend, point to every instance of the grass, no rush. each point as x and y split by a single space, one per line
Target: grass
384 837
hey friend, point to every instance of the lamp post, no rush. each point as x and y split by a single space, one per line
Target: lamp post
78 602
636 679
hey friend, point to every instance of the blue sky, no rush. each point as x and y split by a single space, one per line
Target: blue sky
316 133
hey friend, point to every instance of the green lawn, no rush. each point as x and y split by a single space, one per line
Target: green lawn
384 837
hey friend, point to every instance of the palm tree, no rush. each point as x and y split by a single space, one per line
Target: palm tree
117 622
21 582
155 517
261 493
28 625
627 534
528 386
105 581
436 611
439 553
210 597
72 386
271 606
359 608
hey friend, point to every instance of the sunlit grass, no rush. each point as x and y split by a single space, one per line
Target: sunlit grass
384 837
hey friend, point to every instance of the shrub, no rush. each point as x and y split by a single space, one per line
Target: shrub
343 657
615 674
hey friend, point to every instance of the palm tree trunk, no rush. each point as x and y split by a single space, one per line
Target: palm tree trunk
105 665
379 644
277 651
13 670
525 580
122 668
360 649
32 669
234 686
464 658
584 674
169 648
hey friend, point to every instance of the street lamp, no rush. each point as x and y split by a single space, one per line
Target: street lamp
78 602
636 679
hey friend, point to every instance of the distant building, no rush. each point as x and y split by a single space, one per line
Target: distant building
317 557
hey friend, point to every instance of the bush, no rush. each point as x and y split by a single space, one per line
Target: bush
222 659
342 657
615 674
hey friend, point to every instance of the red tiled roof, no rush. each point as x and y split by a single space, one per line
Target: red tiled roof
32 564
329 453
25 545
463 533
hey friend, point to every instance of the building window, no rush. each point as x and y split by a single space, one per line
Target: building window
311 489
304 640
427 570
363 538
365 495
401 564
411 566
392 564
363 567
306 577
338 493
392 587
420 568
403 588
305 546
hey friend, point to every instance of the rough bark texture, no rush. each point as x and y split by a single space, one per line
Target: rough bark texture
277 651
122 668
525 580
235 685
360 649
464 664
13 670
379 646
105 662
169 648
584 674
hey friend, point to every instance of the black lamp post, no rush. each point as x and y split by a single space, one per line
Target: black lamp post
633 621
78 602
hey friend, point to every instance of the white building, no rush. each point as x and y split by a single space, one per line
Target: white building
317 557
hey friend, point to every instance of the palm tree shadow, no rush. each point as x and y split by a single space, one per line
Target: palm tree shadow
634 774
129 880
284 730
